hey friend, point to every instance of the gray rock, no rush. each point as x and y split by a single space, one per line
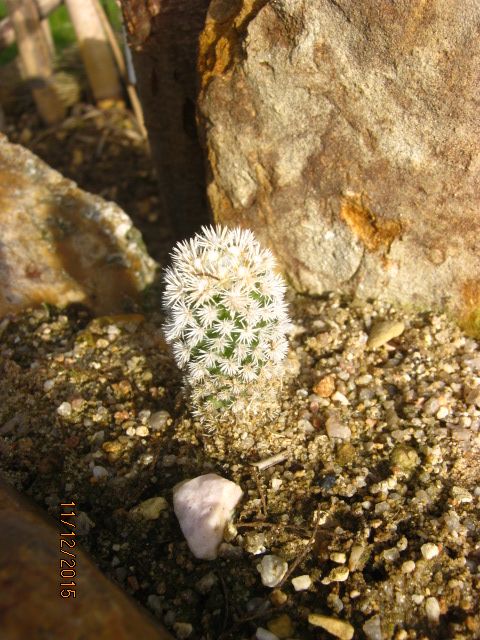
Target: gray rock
331 129
61 245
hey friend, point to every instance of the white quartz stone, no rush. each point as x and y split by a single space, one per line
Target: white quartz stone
203 507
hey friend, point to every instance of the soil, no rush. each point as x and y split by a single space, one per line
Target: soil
375 492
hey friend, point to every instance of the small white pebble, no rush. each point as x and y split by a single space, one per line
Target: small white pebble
142 431
432 609
461 495
158 420
338 557
339 397
48 385
391 555
130 431
442 413
408 566
429 550
302 583
265 634
372 628
418 598
272 569
99 472
65 410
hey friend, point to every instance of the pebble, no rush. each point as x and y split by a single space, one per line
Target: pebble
302 583
335 626
265 634
99 472
149 509
282 626
373 629
337 574
158 420
205 583
461 495
404 457
338 556
324 387
65 410
355 555
278 598
142 431
203 507
336 429
382 332
272 569
339 397
429 550
183 630
408 566
432 609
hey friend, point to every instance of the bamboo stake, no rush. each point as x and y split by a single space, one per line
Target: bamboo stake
95 52
119 59
7 32
35 58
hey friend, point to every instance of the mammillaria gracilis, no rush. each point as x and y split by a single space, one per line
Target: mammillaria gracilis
226 318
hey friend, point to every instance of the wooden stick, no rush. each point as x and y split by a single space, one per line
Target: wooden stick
120 61
7 32
36 63
96 54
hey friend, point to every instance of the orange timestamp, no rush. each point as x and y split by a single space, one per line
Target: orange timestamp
67 563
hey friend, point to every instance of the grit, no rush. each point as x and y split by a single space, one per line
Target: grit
366 485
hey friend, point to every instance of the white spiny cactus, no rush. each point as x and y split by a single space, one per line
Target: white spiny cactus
227 320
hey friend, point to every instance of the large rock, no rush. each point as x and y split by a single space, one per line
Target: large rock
61 245
347 136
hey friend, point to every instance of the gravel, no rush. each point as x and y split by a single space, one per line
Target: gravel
368 484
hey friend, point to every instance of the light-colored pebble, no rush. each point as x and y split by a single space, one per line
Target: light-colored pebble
408 566
65 410
302 583
149 509
429 550
337 574
355 555
158 420
142 431
203 506
382 332
338 556
272 569
265 634
336 429
461 495
99 472
432 609
335 626
373 629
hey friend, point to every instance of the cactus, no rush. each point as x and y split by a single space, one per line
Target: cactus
227 320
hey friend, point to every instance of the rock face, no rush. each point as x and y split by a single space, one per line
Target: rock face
61 245
346 135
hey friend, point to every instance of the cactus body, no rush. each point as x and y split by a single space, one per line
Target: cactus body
227 320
